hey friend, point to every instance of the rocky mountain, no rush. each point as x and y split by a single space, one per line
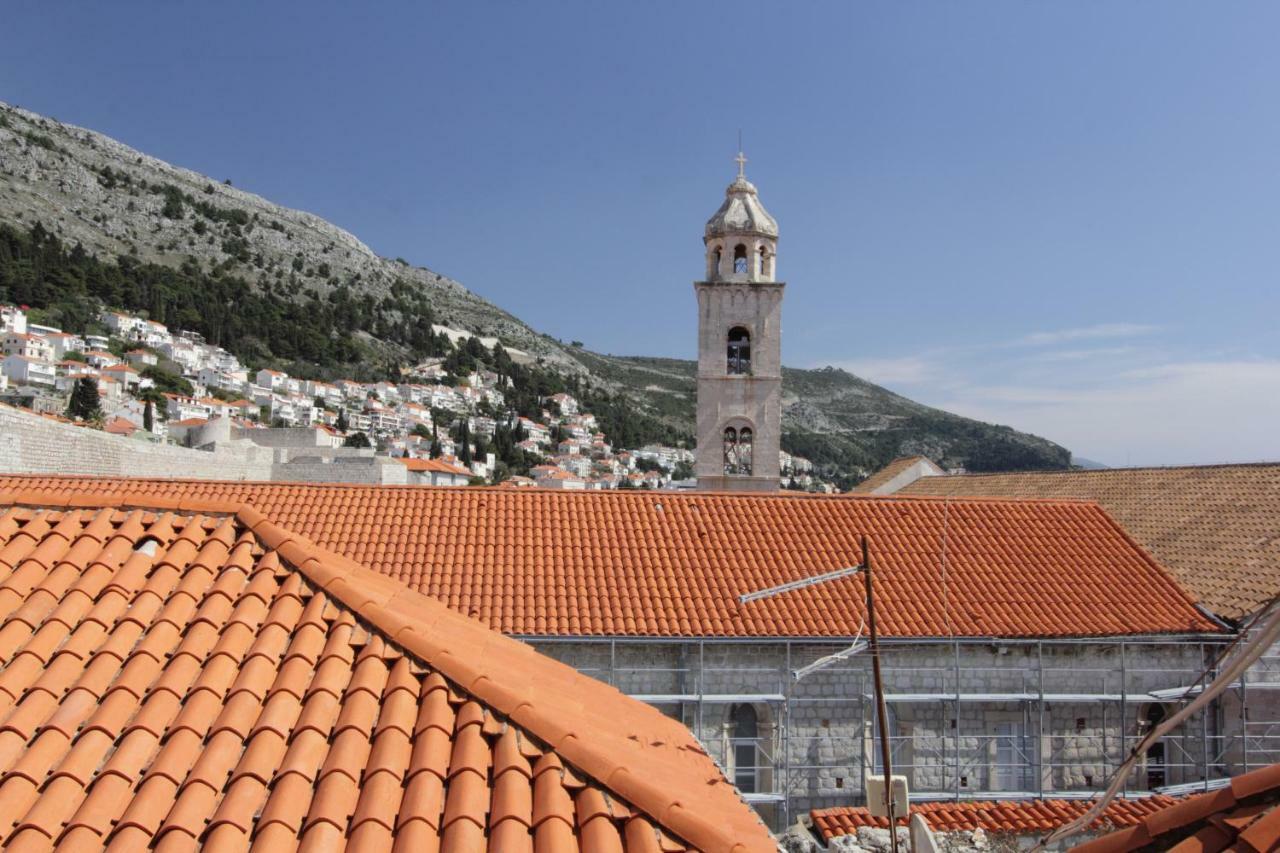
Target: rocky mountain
89 189
116 202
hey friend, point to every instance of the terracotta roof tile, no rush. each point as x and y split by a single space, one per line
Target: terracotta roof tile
1020 816
1213 526
237 685
438 466
1244 816
660 564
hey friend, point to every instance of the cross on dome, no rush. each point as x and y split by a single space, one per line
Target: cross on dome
741 160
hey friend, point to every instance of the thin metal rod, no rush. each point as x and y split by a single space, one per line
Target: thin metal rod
1244 722
881 710
1040 722
800 584
1124 713
956 718
785 739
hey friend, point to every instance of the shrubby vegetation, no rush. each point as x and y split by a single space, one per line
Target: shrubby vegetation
314 336
37 269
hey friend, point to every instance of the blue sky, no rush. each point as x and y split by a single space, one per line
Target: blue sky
1060 216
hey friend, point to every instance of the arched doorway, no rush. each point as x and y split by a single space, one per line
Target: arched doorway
1157 769
744 740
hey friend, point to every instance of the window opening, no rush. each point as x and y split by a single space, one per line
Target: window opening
737 451
739 351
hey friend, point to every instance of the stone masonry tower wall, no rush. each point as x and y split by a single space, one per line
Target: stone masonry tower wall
739 346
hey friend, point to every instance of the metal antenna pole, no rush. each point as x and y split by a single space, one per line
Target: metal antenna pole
881 711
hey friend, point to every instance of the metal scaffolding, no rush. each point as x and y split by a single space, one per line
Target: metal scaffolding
1063 719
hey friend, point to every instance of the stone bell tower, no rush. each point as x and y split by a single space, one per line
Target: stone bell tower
739 346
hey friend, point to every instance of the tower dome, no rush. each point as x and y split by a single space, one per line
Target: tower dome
741 238
741 213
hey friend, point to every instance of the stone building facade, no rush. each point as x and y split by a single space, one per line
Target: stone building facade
969 719
739 419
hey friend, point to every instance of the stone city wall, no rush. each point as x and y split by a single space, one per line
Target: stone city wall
31 444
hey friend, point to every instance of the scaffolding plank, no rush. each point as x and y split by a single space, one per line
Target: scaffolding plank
672 698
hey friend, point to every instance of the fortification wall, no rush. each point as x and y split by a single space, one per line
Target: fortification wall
31 444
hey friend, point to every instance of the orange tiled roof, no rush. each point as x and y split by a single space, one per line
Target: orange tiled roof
1214 526
191 673
433 465
1241 817
120 426
551 563
1016 816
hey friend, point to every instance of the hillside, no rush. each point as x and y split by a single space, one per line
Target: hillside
845 425
283 286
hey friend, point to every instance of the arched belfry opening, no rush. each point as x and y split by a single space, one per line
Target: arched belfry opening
738 451
739 346
738 352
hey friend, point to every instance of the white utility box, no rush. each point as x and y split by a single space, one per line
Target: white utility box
876 799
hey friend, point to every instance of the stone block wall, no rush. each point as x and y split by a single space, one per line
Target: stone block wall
820 739
31 444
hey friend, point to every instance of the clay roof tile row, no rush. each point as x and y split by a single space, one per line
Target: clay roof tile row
232 684
549 563
1213 526
1243 816
1009 816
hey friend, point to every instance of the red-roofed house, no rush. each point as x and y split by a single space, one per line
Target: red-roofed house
28 346
22 370
100 358
120 426
435 472
124 374
141 358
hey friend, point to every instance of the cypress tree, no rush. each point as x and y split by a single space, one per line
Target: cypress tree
464 440
84 403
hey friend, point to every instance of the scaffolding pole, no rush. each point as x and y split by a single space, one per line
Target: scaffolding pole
795 772
956 719
1040 721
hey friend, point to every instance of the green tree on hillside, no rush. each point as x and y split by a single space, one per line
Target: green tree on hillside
85 403
357 439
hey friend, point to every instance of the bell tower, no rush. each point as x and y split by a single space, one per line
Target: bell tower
739 346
